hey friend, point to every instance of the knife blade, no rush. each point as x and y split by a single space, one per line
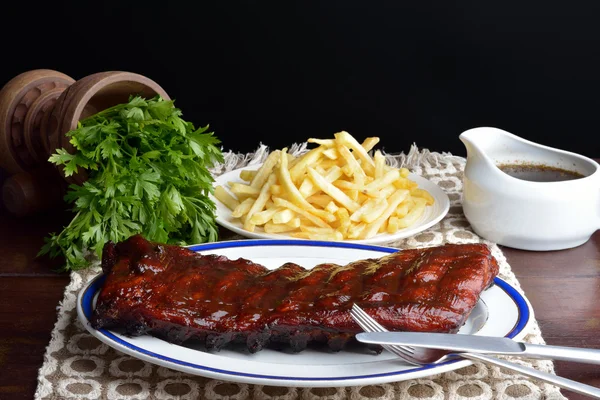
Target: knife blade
481 344
445 341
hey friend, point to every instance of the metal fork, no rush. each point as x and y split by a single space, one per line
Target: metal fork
421 356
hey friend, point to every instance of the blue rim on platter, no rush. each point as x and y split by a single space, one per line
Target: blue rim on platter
87 301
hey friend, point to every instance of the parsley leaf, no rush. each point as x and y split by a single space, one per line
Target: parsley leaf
147 173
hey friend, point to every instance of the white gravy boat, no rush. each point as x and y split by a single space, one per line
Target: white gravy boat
524 214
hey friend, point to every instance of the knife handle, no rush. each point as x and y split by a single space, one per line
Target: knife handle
565 383
588 356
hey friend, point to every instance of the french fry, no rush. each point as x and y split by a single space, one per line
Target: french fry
379 160
392 225
331 207
414 214
308 188
241 189
293 193
357 173
332 154
403 209
285 180
263 173
329 236
260 202
385 192
224 197
322 142
242 208
276 190
361 153
279 228
294 223
309 158
283 216
348 171
375 212
346 185
383 227
423 194
312 218
321 200
393 202
405 183
327 164
331 190
363 197
369 143
344 220
353 194
356 230
316 229
247 175
293 162
379 183
320 169
364 208
261 218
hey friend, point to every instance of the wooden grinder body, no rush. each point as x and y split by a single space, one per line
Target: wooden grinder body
37 109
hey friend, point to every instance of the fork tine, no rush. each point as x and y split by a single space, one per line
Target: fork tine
406 351
365 321
376 325
373 324
368 324
368 318
364 324
393 349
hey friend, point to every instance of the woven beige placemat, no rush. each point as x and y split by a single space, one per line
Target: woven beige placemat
78 366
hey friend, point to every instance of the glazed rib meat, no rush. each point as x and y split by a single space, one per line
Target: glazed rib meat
177 294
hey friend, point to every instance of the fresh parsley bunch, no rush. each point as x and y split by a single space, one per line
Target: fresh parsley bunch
148 174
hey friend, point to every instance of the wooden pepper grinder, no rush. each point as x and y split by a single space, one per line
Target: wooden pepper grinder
37 109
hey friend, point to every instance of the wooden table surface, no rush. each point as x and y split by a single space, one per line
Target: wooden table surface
563 287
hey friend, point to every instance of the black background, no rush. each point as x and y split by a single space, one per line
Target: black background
280 72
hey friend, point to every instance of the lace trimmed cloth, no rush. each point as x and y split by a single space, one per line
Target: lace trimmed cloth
79 366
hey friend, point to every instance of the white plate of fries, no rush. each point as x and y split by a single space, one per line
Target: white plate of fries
337 191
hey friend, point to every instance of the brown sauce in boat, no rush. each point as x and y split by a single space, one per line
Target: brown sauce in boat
539 173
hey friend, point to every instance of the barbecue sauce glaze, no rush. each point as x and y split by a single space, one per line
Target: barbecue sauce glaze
177 294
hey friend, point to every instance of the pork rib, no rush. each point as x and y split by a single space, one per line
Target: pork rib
177 294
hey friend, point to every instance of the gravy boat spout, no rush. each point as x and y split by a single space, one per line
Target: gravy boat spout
525 212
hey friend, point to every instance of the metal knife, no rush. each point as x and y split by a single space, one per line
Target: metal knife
482 345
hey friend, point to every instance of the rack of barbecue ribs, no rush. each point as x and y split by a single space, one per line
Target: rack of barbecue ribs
177 294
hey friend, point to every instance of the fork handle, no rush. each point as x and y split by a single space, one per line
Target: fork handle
590 356
565 383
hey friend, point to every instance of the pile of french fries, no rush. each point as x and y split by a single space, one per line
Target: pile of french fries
336 191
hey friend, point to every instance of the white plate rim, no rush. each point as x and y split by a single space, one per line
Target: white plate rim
88 292
223 214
